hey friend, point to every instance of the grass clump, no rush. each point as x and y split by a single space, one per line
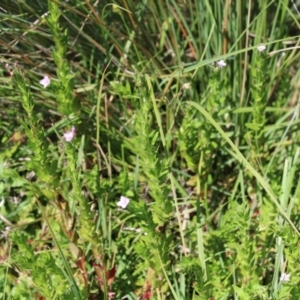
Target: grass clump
150 150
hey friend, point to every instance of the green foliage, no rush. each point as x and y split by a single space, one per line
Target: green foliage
64 92
154 166
47 278
258 93
207 154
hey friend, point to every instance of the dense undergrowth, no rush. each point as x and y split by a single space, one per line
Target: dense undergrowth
149 149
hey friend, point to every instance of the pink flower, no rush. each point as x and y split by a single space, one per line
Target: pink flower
111 295
221 63
45 81
68 136
261 48
7 66
6 232
123 202
285 277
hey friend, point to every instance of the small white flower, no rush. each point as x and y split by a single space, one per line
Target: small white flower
261 48
68 136
124 201
45 81
186 85
285 277
221 63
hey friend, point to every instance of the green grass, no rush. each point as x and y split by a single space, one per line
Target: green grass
207 156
